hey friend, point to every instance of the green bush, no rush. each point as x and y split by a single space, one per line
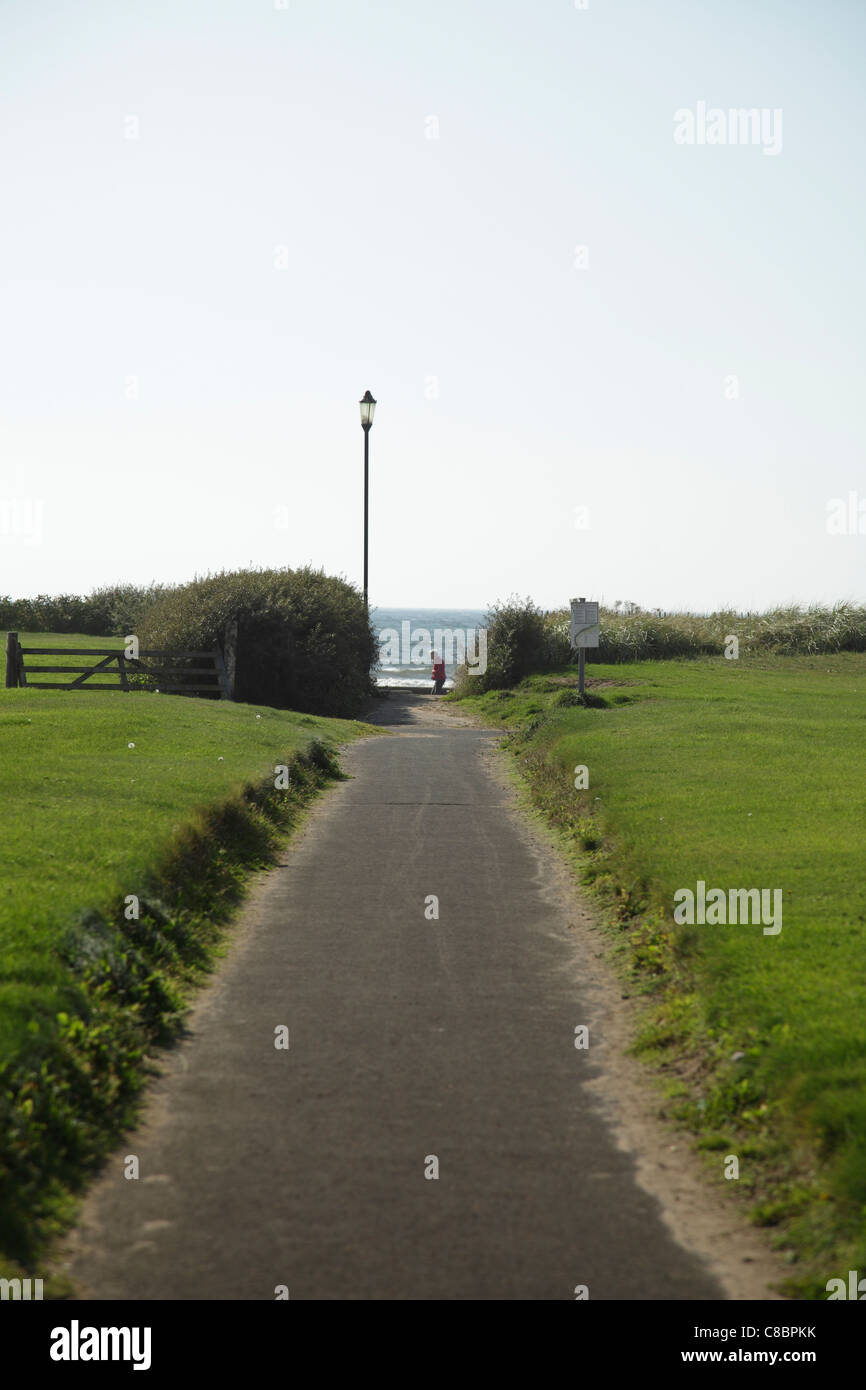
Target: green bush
305 641
519 642
119 609
112 611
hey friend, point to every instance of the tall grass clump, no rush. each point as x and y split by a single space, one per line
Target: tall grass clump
305 641
630 633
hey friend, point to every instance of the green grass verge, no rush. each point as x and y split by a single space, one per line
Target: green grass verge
745 774
87 823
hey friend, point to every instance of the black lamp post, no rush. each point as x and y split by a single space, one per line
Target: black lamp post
368 409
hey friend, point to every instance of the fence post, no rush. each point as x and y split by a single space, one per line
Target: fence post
230 653
12 660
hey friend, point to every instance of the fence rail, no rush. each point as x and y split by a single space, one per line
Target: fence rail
170 673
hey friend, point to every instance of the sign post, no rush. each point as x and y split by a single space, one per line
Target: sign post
584 632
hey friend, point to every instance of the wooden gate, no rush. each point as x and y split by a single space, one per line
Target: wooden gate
171 669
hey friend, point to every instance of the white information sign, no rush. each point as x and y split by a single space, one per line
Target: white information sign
584 624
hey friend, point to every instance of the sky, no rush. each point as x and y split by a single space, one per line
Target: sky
608 363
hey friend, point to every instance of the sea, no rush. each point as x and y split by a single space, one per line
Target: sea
408 635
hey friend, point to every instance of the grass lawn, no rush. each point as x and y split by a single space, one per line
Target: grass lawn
745 774
103 796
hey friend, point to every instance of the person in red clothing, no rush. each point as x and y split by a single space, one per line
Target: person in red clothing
438 674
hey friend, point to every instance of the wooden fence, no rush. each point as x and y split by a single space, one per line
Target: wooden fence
170 670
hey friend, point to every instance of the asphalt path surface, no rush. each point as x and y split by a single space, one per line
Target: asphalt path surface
416 1044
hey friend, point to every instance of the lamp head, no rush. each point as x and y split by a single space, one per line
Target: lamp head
368 409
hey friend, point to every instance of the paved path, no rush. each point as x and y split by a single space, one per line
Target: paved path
408 1038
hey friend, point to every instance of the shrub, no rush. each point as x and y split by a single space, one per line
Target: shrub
519 641
305 641
119 609
112 611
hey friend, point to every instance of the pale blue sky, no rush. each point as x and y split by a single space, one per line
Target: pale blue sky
411 258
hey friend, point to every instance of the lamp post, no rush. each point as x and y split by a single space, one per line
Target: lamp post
368 409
